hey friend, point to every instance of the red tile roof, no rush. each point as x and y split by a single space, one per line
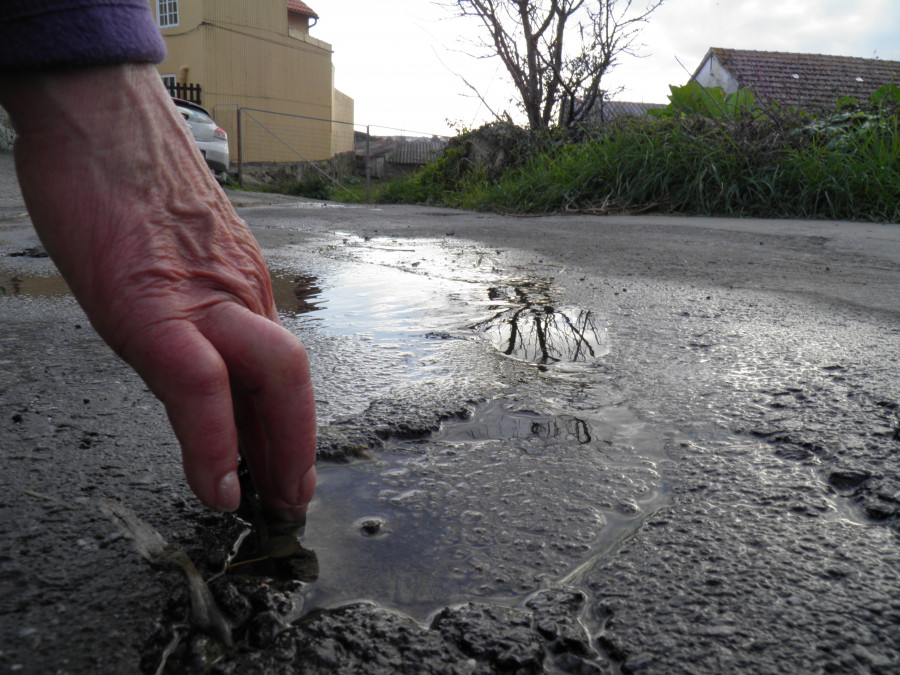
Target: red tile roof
810 81
301 7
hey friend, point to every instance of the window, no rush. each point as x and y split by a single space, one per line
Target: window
167 13
169 81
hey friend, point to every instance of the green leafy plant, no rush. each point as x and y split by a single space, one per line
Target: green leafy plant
313 186
771 162
886 95
695 99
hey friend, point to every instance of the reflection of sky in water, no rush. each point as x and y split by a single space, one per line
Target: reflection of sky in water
371 329
382 303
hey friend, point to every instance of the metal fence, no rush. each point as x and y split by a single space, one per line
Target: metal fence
269 141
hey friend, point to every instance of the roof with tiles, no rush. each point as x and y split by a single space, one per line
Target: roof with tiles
809 81
611 110
301 7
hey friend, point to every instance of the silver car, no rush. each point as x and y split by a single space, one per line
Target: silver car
211 138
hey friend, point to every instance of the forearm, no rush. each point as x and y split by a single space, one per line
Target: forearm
168 274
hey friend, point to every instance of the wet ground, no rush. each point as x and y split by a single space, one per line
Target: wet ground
546 445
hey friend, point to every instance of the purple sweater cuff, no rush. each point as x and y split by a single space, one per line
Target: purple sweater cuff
62 33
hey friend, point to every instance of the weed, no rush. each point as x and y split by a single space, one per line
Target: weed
729 157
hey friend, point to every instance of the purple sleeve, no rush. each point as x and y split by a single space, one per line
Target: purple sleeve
59 33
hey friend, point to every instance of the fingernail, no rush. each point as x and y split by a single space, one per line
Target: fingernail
228 492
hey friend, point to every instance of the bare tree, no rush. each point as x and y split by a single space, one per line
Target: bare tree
557 51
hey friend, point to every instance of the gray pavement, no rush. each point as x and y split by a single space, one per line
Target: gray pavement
716 489
10 194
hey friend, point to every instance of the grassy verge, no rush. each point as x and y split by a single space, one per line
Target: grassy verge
845 166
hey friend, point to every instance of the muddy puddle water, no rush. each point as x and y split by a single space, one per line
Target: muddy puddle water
547 471
28 273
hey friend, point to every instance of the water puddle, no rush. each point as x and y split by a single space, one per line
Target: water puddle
22 285
492 508
377 329
525 491
529 327
28 272
500 419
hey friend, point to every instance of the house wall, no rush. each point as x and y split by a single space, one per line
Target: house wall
298 22
243 54
713 74
185 44
342 134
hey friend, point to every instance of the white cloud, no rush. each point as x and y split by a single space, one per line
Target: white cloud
398 60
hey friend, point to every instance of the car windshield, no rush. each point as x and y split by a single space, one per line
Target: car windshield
195 116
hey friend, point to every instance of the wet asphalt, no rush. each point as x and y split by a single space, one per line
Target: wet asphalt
690 461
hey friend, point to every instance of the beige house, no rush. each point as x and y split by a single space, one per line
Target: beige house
259 56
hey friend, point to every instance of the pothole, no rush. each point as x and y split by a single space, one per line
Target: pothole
537 480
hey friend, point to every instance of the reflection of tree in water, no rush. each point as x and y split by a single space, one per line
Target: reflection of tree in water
566 427
497 419
536 332
306 291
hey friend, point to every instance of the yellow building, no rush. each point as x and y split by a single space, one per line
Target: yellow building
259 56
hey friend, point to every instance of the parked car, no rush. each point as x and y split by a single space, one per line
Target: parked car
211 138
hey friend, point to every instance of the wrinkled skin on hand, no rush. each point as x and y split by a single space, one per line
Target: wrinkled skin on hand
168 275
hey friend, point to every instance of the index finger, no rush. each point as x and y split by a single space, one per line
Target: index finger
270 379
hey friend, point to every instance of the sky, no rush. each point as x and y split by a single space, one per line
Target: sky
406 62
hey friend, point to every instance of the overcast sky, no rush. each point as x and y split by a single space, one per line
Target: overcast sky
400 60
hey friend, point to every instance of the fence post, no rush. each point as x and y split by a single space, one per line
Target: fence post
240 146
368 163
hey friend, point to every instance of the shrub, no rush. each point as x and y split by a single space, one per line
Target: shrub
729 157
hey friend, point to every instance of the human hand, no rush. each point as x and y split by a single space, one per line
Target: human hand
168 275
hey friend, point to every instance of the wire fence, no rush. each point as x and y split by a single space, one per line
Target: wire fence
266 142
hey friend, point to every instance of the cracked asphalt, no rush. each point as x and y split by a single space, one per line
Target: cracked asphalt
717 491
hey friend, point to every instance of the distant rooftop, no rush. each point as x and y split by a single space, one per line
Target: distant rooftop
810 81
300 7
612 110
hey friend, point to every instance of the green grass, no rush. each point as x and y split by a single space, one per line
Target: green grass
840 167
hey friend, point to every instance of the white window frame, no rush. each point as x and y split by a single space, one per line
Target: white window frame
169 80
167 13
